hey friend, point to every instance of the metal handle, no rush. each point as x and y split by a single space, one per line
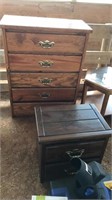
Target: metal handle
75 153
46 44
45 81
44 95
46 63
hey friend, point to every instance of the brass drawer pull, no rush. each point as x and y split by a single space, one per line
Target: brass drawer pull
75 153
46 44
46 81
46 63
44 95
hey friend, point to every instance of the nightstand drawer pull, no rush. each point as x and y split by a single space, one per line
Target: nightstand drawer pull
46 81
75 153
44 95
46 44
46 63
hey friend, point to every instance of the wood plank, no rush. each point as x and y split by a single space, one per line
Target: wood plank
95 57
73 10
100 31
93 12
4 86
101 37
2 56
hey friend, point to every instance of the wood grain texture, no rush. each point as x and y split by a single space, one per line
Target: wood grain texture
78 130
26 42
29 62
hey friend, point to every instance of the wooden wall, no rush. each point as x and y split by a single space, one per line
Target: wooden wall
94 13
90 13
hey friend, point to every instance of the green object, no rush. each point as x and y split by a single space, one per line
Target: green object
40 197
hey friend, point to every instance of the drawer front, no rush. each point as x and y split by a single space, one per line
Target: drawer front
26 95
23 109
60 170
27 108
51 43
44 79
29 62
84 150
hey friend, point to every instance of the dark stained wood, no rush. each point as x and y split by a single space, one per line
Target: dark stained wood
74 10
79 129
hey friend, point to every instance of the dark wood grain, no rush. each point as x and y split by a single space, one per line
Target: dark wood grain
79 129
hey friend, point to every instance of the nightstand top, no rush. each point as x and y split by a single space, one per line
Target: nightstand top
67 122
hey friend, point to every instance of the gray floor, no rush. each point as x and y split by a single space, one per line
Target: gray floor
19 157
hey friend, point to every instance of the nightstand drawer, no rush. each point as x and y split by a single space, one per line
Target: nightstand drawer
29 62
60 170
84 150
44 43
56 94
44 79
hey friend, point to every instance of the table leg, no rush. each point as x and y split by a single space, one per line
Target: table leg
85 89
104 105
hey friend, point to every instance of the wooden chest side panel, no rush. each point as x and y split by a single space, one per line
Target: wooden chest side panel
73 127
58 117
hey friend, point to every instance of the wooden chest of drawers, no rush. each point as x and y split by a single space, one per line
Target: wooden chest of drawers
44 58
75 130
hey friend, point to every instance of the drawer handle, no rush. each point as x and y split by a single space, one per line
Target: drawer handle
75 153
44 95
46 44
46 63
46 81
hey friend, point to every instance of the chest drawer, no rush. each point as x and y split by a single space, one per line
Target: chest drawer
44 79
29 62
84 150
44 43
43 94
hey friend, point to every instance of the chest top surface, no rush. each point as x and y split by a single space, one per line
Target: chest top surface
70 121
44 22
